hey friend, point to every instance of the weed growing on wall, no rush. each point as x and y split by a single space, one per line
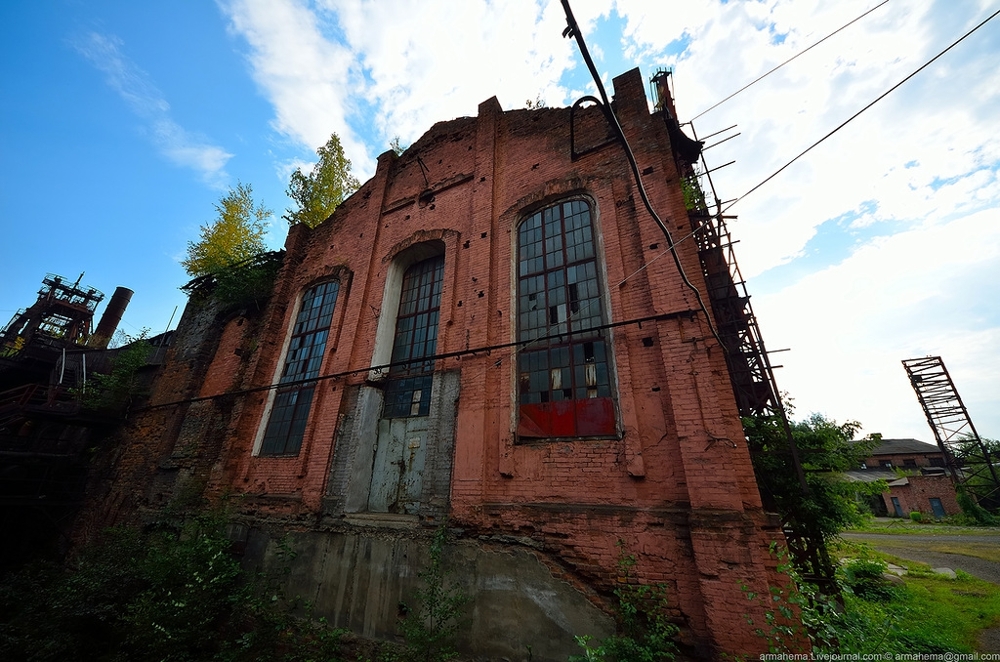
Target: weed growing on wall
117 390
431 626
173 593
794 613
643 633
249 284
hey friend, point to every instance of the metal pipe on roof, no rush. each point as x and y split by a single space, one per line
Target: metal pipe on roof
111 317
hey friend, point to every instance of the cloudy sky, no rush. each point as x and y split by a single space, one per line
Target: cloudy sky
122 123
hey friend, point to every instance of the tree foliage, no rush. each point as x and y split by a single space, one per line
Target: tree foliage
115 391
979 492
318 193
237 234
826 449
397 147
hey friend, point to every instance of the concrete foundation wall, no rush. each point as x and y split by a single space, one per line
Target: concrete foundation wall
361 579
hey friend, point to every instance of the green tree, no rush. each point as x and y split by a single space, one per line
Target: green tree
826 449
237 234
979 491
318 193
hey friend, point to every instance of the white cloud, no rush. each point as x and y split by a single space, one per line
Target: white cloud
133 85
920 292
392 68
308 78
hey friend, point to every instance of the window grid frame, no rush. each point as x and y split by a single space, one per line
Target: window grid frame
285 430
408 385
558 278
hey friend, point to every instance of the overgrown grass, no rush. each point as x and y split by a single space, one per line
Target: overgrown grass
928 613
901 526
925 612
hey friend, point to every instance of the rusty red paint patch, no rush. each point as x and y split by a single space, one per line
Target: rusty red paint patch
590 417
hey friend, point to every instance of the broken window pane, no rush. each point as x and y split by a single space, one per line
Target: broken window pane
408 389
564 370
287 422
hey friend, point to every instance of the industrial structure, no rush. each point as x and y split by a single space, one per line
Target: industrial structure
974 467
483 335
47 352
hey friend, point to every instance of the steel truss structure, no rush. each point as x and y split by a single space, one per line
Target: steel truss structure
973 464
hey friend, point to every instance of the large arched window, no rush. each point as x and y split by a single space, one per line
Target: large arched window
408 389
303 359
564 384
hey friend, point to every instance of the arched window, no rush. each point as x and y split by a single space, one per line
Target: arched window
408 388
290 411
564 384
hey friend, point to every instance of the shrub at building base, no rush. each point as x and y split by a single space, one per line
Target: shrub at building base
170 594
643 631
430 628
926 614
972 512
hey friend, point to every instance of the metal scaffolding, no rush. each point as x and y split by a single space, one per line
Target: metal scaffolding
972 463
750 371
63 312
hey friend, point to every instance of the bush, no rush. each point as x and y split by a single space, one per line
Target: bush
972 513
865 578
916 516
643 632
117 390
431 627
170 594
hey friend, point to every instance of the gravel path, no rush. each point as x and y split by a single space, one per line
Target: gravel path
915 548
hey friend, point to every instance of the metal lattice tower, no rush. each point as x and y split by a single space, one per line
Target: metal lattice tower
971 462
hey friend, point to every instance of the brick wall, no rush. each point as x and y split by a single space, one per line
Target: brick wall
676 486
904 460
916 495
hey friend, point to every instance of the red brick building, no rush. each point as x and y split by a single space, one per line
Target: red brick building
487 332
927 488
905 454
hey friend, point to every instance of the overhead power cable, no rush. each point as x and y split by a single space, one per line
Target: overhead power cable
573 30
763 76
849 119
486 349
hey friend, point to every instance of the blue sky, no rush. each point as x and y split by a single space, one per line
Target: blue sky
122 123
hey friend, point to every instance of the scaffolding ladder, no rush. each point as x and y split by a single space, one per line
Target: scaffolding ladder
750 371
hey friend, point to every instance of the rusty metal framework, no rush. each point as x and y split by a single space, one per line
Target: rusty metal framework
750 370
971 461
63 312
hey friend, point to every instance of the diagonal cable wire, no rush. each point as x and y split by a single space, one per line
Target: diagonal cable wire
763 76
849 119
573 31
